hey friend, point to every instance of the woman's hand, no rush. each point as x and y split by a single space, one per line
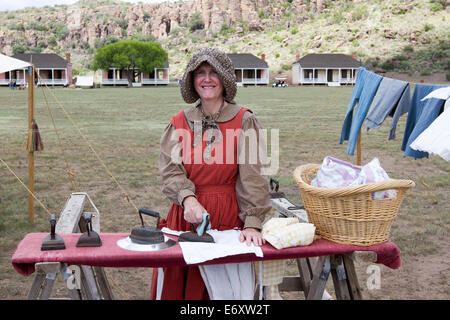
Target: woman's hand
193 210
250 235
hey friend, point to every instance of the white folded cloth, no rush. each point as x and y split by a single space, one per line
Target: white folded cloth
226 244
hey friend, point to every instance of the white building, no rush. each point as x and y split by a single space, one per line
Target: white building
249 69
328 69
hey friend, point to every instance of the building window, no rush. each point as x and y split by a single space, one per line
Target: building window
309 74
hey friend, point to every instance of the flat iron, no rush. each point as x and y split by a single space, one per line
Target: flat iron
90 238
146 238
200 234
147 234
53 241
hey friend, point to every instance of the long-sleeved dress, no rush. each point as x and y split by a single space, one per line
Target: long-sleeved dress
228 183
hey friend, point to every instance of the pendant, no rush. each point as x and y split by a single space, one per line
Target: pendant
214 137
198 130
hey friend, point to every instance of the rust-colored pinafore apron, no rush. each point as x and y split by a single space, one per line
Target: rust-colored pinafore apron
215 190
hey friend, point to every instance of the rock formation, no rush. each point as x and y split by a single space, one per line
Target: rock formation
87 21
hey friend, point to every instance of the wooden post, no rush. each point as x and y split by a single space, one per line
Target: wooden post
30 153
358 149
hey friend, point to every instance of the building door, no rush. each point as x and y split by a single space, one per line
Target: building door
329 75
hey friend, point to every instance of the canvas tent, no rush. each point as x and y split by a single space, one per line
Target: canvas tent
9 64
85 81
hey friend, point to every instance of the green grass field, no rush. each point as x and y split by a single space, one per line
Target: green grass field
124 126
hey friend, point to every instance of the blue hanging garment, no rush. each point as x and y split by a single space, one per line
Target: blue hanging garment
421 114
357 89
393 99
371 83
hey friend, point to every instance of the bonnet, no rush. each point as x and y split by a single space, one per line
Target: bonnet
220 62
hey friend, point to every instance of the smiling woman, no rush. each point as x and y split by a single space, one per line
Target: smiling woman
209 87
198 176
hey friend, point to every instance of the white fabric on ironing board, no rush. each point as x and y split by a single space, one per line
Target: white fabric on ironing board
226 244
231 281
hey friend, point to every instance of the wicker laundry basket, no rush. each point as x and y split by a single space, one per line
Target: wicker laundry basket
349 215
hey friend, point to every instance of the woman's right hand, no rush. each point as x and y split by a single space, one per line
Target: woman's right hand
193 210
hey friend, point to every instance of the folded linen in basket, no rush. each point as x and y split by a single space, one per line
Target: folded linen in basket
288 232
226 244
336 173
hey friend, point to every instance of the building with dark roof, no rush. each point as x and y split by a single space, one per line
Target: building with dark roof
249 69
50 68
330 69
118 77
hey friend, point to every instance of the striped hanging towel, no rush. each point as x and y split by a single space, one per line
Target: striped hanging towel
34 141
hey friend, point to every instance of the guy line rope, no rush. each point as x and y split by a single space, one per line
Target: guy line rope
71 174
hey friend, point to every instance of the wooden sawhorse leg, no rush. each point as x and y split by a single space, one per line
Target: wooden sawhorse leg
321 272
339 278
93 282
305 272
343 272
352 279
46 273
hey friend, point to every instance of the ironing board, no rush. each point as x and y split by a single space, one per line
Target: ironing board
332 258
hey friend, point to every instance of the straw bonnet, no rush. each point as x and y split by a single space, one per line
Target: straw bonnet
220 62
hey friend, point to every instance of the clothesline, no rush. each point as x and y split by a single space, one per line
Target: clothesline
377 97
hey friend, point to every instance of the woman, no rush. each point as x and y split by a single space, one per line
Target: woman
198 175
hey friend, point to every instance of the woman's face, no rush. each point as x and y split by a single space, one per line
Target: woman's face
207 83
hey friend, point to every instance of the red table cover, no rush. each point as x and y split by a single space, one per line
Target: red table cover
29 252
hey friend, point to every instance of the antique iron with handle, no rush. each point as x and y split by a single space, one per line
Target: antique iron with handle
145 237
52 241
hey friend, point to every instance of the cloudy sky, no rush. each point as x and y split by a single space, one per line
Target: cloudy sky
20 4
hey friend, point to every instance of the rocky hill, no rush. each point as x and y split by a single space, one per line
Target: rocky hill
410 36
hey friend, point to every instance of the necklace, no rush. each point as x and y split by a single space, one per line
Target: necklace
209 119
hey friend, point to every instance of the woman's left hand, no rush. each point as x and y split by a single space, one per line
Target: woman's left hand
250 235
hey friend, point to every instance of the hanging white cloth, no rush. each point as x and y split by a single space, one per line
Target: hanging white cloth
441 93
231 281
436 138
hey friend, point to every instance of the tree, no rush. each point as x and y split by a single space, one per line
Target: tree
196 22
131 55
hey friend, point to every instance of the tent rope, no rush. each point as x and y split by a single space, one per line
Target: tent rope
69 171
23 184
127 197
422 181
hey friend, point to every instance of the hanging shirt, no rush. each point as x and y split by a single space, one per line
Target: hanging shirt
421 114
370 82
393 99
357 89
436 138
